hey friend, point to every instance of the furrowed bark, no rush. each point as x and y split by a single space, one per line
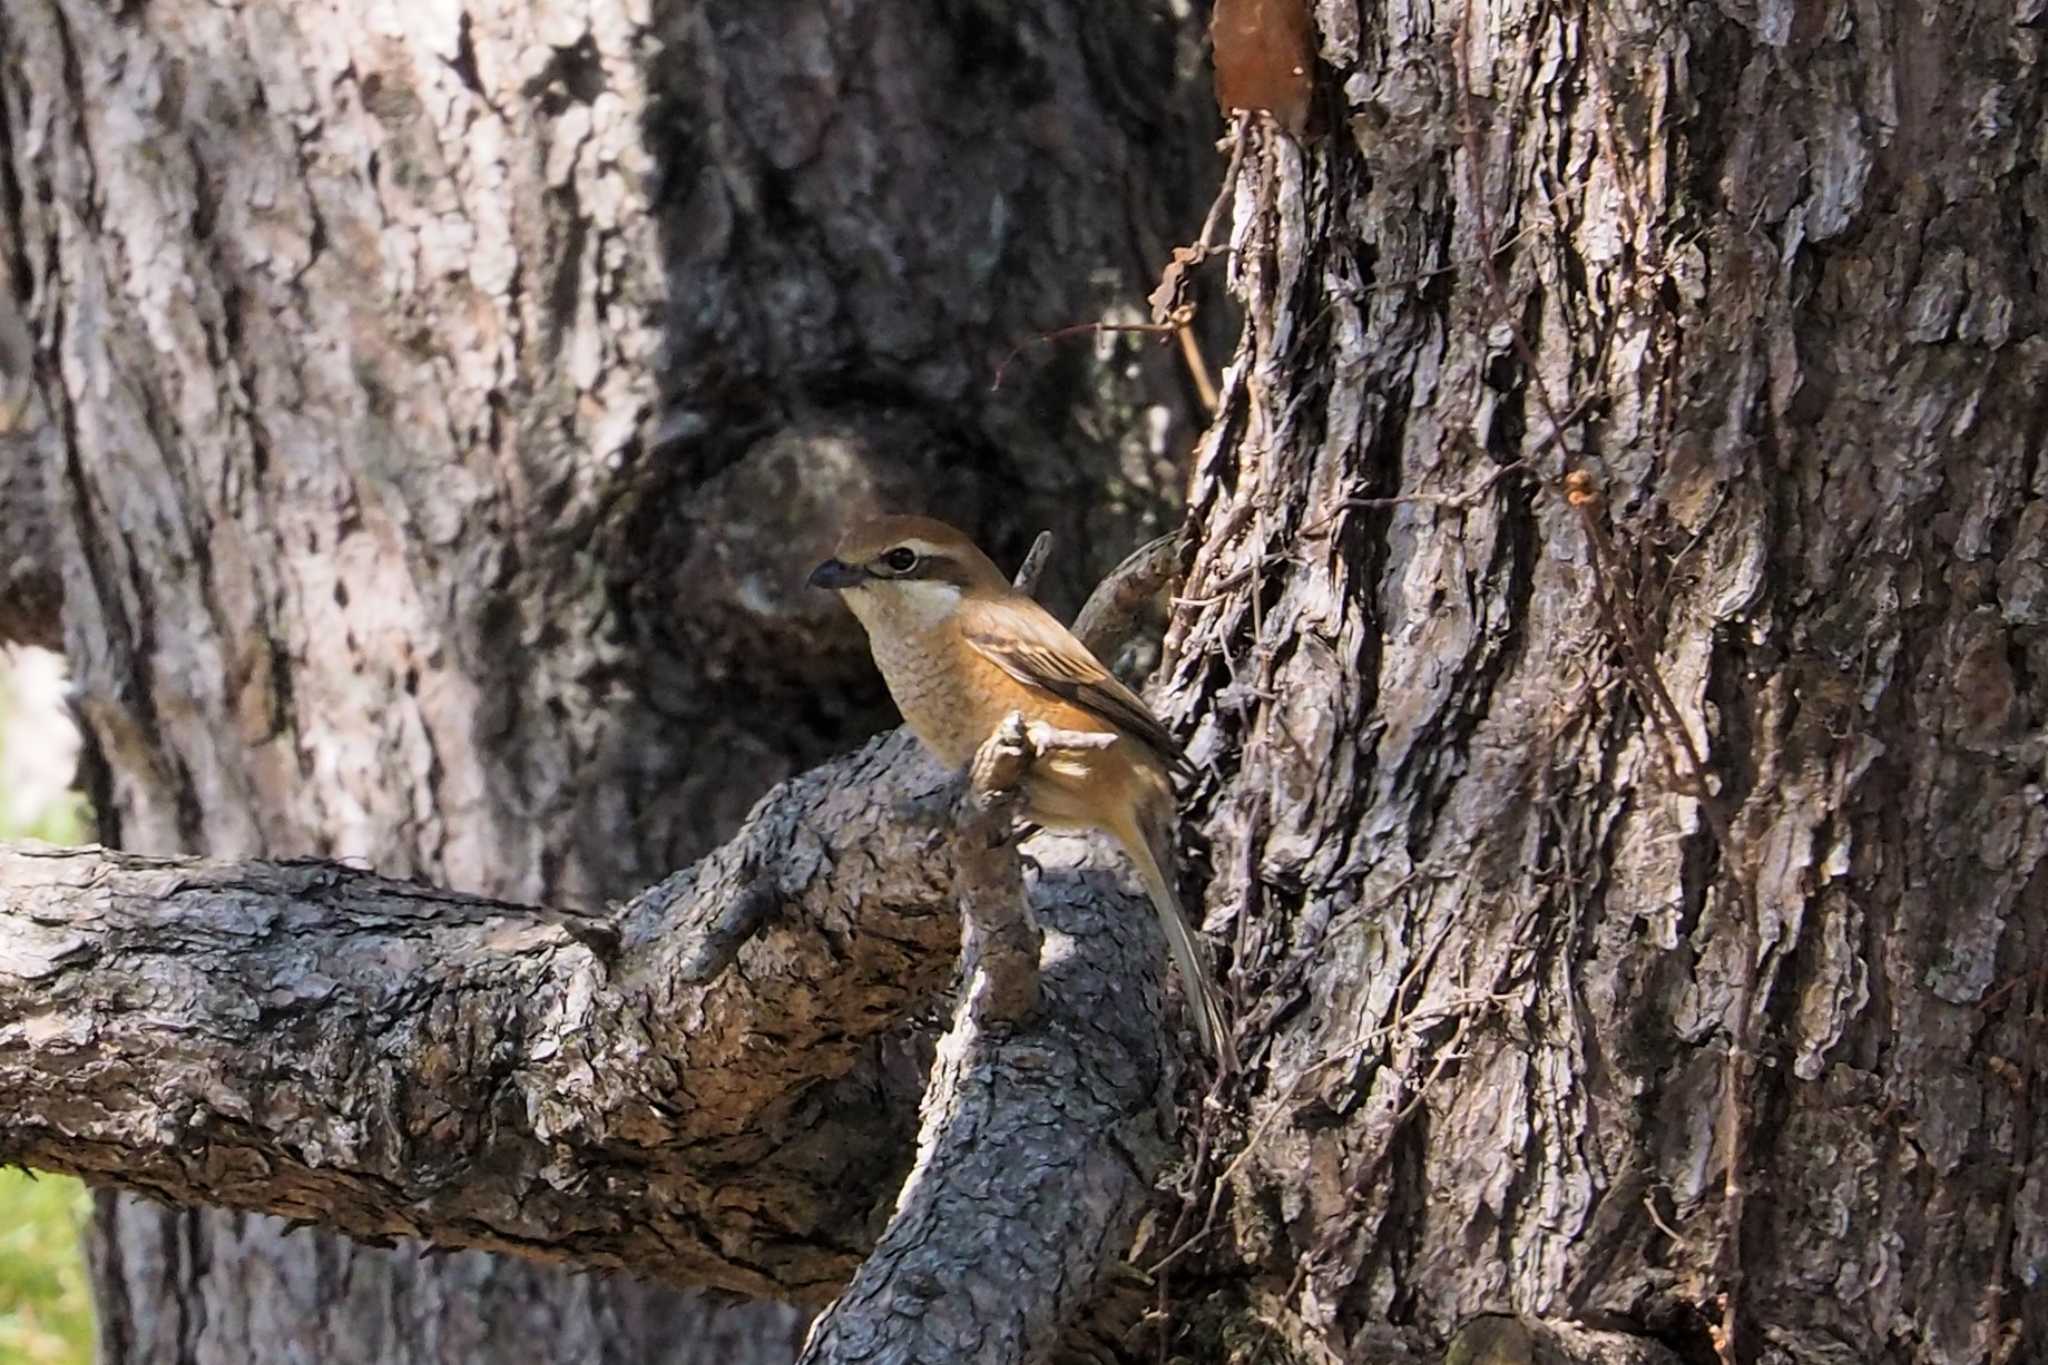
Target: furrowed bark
1742 268
1038 1151
1046 1117
314 1041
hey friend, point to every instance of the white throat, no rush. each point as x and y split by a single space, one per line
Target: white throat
916 604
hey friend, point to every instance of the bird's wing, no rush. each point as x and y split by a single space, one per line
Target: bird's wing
1025 641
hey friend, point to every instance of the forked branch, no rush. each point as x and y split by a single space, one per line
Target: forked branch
687 1090
1043 1119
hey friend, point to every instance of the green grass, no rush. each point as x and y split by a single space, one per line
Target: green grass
45 1306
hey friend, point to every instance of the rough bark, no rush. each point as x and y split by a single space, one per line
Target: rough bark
395 1061
1765 276
1045 1120
1037 1155
447 398
654 1093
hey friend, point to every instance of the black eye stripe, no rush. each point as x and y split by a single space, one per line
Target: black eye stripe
908 562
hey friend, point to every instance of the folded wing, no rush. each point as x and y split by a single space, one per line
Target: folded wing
1025 641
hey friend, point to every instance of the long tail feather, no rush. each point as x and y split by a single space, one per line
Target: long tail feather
1151 848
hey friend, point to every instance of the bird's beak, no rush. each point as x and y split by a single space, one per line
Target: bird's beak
835 575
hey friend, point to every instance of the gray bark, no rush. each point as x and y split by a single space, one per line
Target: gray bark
1771 270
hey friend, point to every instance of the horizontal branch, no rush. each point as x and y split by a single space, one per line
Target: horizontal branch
315 1041
687 1089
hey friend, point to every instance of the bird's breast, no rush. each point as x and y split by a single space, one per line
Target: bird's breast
932 686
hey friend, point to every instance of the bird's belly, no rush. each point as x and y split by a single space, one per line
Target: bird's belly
953 707
1064 791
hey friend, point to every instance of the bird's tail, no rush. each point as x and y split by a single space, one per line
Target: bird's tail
1150 846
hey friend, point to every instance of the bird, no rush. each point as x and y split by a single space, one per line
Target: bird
961 650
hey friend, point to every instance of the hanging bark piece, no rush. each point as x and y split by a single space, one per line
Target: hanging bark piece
1264 59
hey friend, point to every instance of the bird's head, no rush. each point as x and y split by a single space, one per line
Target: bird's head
907 571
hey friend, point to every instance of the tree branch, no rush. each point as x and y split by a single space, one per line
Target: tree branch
1000 941
1111 613
1042 1127
1038 1150
673 1091
314 1041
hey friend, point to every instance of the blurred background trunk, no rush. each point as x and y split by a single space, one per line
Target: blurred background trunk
439 406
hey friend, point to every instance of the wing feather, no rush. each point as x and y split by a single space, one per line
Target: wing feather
1028 643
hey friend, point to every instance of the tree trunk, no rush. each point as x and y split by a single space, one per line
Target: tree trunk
1617 635
447 396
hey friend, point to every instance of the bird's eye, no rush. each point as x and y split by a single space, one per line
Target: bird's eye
902 559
